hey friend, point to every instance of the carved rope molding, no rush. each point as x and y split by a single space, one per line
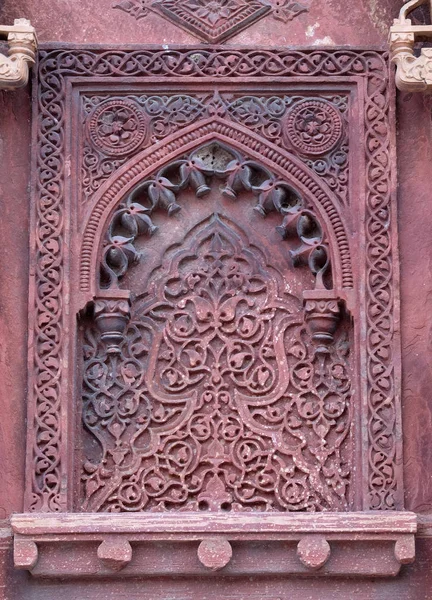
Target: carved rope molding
48 472
413 73
22 42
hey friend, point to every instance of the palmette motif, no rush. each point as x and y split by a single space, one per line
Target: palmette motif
217 400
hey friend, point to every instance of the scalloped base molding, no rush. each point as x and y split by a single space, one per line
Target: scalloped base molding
152 545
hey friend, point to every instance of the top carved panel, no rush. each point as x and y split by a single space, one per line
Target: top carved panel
214 20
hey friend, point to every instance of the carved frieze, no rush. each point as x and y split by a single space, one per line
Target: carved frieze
214 20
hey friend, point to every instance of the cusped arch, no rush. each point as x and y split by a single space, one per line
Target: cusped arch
282 164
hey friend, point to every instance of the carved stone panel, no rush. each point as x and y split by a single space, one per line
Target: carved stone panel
215 291
214 20
217 398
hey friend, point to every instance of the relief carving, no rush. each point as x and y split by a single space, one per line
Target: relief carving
214 21
118 127
22 43
134 217
413 72
218 398
49 487
313 126
315 129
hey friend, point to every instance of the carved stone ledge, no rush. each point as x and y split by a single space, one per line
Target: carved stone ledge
413 73
368 544
22 42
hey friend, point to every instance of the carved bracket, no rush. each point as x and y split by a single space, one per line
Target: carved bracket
413 73
22 42
322 315
133 218
111 314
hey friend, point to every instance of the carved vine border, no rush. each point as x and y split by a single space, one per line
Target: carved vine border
47 458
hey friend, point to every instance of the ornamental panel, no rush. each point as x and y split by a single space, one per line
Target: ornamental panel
214 299
214 21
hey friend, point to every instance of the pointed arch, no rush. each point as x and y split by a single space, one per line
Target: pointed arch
278 161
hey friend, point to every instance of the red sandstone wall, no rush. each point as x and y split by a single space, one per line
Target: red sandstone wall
333 22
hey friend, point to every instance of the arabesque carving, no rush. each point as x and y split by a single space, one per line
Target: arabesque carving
217 399
313 128
134 217
214 20
413 73
49 485
22 42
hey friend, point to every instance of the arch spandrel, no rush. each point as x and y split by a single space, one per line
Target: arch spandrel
284 165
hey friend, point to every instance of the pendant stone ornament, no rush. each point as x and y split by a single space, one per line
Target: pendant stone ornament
213 21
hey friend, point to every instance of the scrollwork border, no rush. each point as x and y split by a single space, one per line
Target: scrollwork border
49 342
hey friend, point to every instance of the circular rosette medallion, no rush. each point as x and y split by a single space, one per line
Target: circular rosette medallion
313 127
118 127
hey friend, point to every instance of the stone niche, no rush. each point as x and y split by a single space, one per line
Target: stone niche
215 366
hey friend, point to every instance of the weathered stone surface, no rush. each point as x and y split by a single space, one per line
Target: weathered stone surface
354 23
331 23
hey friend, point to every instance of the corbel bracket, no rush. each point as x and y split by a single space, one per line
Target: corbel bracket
413 73
22 42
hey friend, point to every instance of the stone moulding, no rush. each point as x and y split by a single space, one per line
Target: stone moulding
22 42
327 544
67 243
413 73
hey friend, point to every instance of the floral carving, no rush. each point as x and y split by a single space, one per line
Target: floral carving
118 127
265 115
218 400
212 12
287 10
214 20
136 8
238 174
49 487
313 126
155 118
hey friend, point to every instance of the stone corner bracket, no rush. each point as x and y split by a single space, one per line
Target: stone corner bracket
22 42
413 73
